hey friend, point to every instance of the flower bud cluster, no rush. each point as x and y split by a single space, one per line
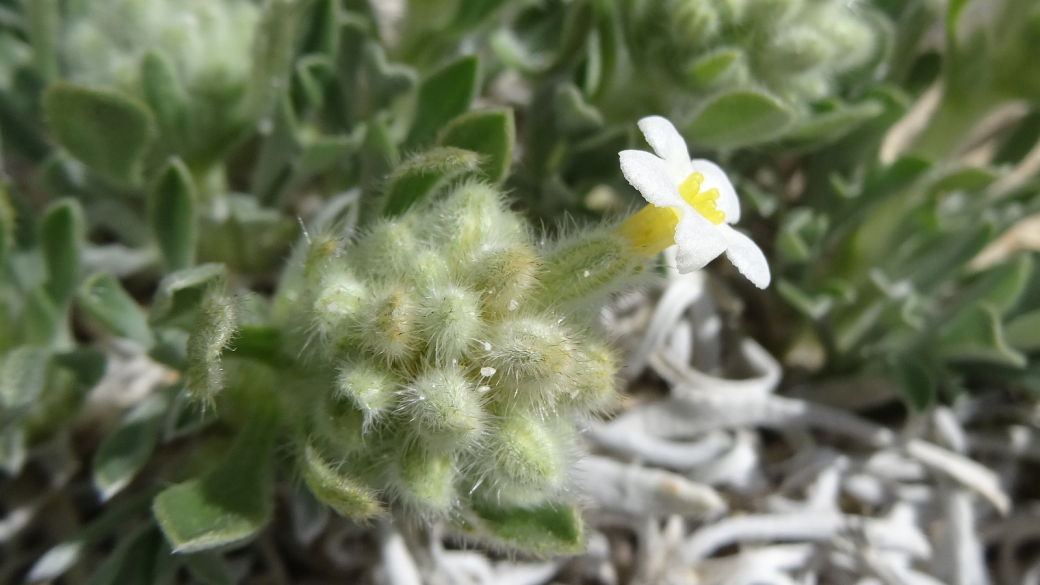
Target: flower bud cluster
796 48
455 379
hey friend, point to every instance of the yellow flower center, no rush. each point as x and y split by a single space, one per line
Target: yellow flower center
652 229
702 201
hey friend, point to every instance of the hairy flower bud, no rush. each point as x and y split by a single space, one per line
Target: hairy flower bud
390 323
337 309
443 409
425 481
371 388
450 323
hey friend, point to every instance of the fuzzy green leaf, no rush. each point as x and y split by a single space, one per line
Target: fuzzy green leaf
963 179
8 224
425 173
490 133
60 237
230 503
22 375
273 53
171 212
739 118
181 292
104 300
343 494
127 449
388 80
107 131
832 125
553 528
444 95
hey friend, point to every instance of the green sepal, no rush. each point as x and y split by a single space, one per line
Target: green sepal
739 118
171 213
230 503
442 96
124 452
343 494
490 133
552 528
424 173
104 300
60 238
106 130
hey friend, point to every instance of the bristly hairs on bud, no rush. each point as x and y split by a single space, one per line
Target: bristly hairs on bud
214 327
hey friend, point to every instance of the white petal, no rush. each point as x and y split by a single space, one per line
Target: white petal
699 241
746 256
649 175
714 176
669 145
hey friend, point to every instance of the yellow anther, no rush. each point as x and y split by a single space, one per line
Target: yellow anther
702 201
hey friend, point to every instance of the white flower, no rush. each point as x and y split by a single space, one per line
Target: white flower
701 197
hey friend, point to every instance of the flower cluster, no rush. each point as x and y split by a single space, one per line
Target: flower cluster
456 382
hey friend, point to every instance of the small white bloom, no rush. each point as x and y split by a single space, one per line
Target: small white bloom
702 197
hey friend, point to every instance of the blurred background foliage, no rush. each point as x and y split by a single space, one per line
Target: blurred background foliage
161 156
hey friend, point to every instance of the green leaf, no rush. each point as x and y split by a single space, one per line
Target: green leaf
963 179
553 528
208 568
8 224
123 453
812 307
273 53
739 118
490 133
60 558
104 300
832 125
423 175
230 503
180 292
1023 332
13 450
22 375
342 493
976 335
573 114
714 66
87 364
916 381
60 237
166 96
40 318
388 80
107 131
43 25
142 558
171 213
444 95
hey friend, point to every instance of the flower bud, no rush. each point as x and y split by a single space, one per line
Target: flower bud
344 494
693 22
505 276
371 388
390 324
534 361
450 323
425 481
443 409
338 306
471 221
592 388
792 50
388 250
524 459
